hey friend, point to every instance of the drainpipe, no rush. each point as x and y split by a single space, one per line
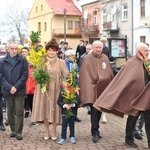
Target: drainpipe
132 22
52 24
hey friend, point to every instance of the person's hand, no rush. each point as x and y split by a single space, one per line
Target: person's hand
77 90
68 106
13 90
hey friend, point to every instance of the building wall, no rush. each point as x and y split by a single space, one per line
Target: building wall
88 14
125 27
41 16
54 24
58 26
141 25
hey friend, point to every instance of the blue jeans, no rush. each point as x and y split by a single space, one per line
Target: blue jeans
65 122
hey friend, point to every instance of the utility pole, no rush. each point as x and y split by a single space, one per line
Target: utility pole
65 25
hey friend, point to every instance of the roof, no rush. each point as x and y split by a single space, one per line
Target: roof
59 6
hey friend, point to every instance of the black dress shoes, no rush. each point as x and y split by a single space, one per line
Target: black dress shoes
2 127
99 136
138 136
12 135
77 119
19 137
6 123
131 144
26 114
95 138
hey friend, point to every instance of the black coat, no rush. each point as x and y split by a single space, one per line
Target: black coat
81 50
61 103
14 75
106 51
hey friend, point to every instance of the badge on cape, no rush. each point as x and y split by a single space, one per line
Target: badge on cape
104 65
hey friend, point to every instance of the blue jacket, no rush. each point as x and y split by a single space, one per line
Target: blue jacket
70 65
13 75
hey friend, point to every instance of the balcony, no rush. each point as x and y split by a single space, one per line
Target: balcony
71 32
88 29
111 26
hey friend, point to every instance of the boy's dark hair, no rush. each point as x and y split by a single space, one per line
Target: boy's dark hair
66 43
111 59
25 48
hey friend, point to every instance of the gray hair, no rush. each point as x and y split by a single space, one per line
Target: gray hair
97 41
141 46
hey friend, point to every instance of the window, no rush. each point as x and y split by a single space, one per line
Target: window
45 26
143 39
70 25
124 12
104 15
36 9
39 26
95 17
142 8
114 13
76 24
41 7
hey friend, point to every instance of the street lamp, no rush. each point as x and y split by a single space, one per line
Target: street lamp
65 25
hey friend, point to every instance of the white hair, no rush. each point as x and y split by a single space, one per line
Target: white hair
141 46
70 52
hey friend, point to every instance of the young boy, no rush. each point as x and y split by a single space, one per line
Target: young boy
68 111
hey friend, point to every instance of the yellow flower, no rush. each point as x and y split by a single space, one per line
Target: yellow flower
40 53
44 51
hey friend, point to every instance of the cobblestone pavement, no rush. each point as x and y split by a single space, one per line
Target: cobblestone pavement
112 133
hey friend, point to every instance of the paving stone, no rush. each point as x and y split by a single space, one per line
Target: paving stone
112 136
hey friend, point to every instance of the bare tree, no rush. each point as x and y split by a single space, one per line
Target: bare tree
13 38
15 20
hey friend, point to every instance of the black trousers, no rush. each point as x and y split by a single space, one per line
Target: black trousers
130 125
140 123
1 110
95 119
29 102
65 122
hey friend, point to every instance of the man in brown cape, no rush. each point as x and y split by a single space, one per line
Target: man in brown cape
124 95
95 74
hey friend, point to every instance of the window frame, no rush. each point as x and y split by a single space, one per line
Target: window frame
45 26
39 26
70 25
95 17
104 15
125 12
142 8
143 39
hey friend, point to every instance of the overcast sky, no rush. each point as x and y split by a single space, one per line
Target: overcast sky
23 4
4 4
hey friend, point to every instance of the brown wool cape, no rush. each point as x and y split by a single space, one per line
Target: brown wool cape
120 96
95 74
144 97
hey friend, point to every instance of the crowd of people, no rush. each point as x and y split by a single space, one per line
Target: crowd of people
97 83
